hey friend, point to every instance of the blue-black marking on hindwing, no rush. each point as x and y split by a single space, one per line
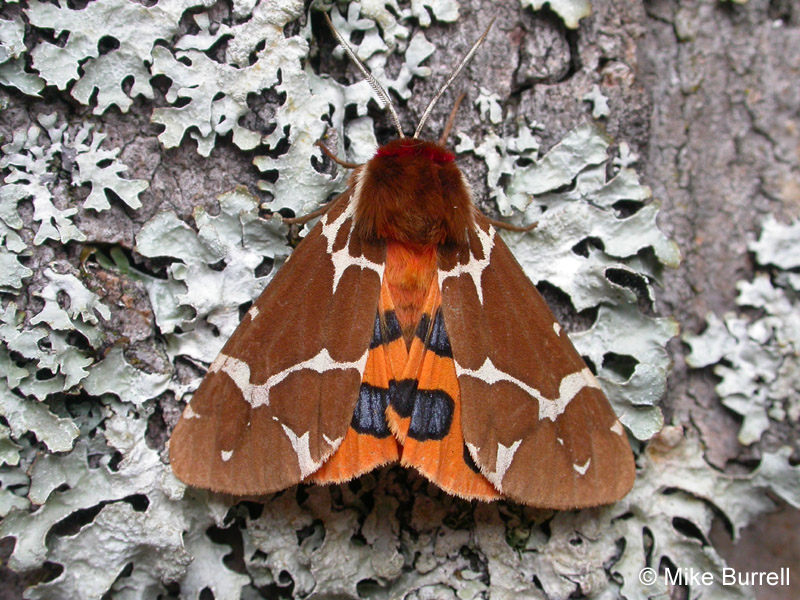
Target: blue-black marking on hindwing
470 461
369 416
401 395
431 416
431 411
385 331
434 335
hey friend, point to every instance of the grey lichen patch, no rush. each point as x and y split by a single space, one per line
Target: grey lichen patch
674 485
12 272
314 102
100 169
13 73
12 38
599 102
31 158
571 11
51 349
46 362
778 244
488 105
115 375
24 416
756 358
196 296
12 61
636 396
150 537
377 13
213 95
28 160
134 27
448 549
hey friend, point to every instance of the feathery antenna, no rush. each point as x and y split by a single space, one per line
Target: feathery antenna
367 75
452 77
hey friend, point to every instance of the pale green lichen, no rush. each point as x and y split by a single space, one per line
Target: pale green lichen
23 415
301 122
383 13
12 38
152 539
580 554
488 105
756 357
31 158
627 157
135 28
599 102
9 450
214 96
29 165
12 63
100 169
13 73
83 309
778 244
571 11
676 484
635 396
237 237
12 272
114 375
39 351
50 350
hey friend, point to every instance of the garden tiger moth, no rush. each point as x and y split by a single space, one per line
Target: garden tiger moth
403 329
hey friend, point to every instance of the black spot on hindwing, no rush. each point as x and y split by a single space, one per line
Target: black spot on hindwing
385 331
401 395
431 411
431 416
369 416
423 327
434 335
470 461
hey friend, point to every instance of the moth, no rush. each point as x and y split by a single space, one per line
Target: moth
403 329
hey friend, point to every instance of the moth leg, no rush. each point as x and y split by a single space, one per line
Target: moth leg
509 227
306 218
327 151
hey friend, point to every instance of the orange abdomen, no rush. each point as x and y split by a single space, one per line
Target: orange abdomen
408 275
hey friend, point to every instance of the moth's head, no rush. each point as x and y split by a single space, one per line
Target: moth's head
413 192
410 151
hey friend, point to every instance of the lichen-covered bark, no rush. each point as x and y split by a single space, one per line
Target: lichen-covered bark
700 97
723 153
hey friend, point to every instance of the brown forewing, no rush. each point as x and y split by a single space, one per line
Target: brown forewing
225 443
582 457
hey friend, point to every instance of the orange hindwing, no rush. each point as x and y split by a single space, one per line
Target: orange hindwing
425 410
